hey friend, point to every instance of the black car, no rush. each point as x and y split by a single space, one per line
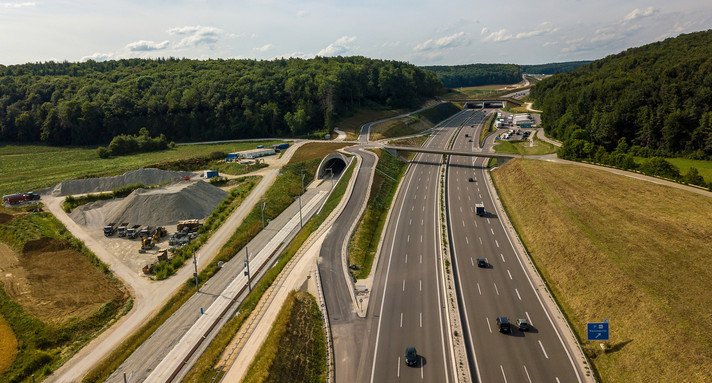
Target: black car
471 179
481 262
411 356
504 325
522 324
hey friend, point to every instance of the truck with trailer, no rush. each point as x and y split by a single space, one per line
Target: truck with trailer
191 224
17 198
121 231
110 229
132 232
480 209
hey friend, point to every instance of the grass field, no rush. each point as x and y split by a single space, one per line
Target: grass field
352 125
312 150
55 296
523 147
705 167
32 167
295 349
8 346
364 242
634 252
210 361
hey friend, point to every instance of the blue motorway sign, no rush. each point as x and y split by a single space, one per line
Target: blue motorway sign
598 331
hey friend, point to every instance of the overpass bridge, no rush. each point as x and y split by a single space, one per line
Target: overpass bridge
449 152
502 102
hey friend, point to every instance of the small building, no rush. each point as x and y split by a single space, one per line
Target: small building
251 154
523 121
210 173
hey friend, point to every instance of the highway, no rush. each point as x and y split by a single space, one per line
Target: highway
503 288
407 302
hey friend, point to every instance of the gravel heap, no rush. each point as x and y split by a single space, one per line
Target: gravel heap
156 207
147 176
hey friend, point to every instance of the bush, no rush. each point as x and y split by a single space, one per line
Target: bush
103 152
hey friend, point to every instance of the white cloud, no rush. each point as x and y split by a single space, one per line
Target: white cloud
18 5
264 48
298 55
196 35
455 40
639 13
338 47
499 36
550 43
98 57
484 30
542 29
603 37
145 46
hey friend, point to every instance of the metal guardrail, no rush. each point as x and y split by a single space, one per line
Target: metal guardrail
327 329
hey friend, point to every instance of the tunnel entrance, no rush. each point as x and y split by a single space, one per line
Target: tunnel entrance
332 166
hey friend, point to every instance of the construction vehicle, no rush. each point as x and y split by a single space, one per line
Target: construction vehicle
160 233
162 255
480 209
191 224
110 229
146 244
12 199
132 232
121 231
147 231
148 269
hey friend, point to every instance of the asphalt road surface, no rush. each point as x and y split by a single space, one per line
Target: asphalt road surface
408 301
503 288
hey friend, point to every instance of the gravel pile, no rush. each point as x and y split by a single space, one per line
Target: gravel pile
147 176
156 207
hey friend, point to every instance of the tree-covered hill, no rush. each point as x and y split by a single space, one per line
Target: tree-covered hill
658 97
553 68
190 100
455 76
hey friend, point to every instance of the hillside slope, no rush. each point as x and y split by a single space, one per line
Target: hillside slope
656 96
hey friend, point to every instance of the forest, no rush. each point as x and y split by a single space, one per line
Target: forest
455 76
186 100
553 68
657 97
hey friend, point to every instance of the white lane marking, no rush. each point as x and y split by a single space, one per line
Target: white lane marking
421 319
557 380
421 285
401 323
423 207
472 261
478 288
475 223
518 296
463 223
488 325
421 258
415 196
412 207
528 318
421 238
416 188
460 209
495 288
542 349
458 198
468 198
425 196
406 258
408 240
421 222
478 189
480 240
410 222
502 255
504 376
488 221
467 240
527 372
510 274
496 243
404 285
398 367
480 196
492 230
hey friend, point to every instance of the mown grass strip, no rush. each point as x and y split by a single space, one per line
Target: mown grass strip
414 123
522 147
364 242
8 346
295 349
281 193
205 368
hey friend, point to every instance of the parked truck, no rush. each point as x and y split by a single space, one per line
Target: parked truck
480 209
121 231
191 224
147 231
12 199
110 229
132 232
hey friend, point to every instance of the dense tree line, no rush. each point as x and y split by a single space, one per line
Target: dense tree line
658 97
455 76
190 100
554 68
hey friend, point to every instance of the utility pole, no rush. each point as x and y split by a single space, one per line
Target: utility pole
247 265
263 214
301 222
195 263
303 174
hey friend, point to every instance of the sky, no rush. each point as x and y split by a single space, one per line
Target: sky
422 32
